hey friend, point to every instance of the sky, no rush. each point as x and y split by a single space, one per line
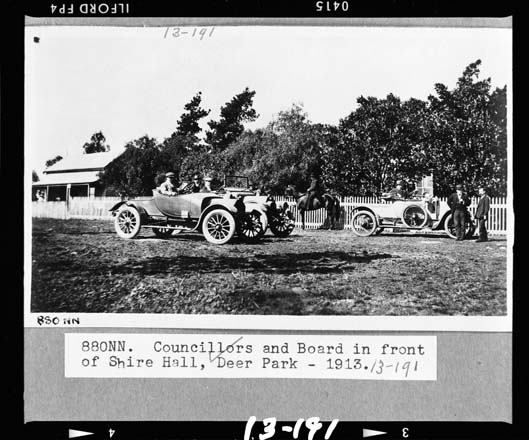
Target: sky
128 82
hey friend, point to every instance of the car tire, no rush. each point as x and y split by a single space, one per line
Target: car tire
250 227
218 226
450 230
410 215
282 225
127 222
364 223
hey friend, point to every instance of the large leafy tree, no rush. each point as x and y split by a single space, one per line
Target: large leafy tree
136 170
97 144
382 140
282 154
230 125
468 134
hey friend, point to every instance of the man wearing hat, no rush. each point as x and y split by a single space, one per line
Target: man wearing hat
482 211
458 203
168 187
206 186
195 184
314 190
399 193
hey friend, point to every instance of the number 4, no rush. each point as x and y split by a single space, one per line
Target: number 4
111 433
53 7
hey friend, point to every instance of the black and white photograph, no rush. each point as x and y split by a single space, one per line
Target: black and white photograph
285 171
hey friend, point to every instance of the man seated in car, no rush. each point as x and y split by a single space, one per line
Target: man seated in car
169 186
399 193
206 186
196 184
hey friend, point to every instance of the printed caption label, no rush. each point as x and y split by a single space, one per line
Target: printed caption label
251 356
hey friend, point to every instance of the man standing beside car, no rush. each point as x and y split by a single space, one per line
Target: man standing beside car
482 212
458 203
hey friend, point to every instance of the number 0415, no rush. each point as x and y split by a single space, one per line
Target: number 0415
330 6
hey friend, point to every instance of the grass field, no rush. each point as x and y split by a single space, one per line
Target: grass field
83 266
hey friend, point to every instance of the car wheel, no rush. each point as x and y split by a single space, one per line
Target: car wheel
218 226
451 230
127 222
162 232
282 225
414 216
364 223
250 227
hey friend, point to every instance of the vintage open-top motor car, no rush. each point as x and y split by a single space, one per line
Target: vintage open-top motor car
217 216
280 219
411 214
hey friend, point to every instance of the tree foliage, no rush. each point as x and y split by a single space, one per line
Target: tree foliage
188 125
459 135
135 171
382 140
53 161
230 125
97 144
34 176
284 153
468 134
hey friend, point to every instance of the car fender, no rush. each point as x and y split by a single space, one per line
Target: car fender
365 208
134 204
115 208
226 204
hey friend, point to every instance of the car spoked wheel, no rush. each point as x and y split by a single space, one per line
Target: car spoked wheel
282 225
162 232
364 223
250 227
414 216
218 226
451 230
127 222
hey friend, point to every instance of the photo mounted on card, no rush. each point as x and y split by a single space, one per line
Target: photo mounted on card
220 174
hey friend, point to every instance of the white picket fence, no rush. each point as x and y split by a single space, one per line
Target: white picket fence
98 208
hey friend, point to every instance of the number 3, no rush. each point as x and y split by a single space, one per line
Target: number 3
405 432
269 428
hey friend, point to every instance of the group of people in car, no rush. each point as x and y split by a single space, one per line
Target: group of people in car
170 186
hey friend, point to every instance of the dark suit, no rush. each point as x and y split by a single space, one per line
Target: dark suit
459 212
482 212
398 194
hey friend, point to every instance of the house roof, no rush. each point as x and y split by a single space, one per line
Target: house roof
80 162
65 178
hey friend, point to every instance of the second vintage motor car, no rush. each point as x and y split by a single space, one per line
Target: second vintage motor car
411 214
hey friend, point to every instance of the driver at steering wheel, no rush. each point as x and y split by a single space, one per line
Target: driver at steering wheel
196 184
399 193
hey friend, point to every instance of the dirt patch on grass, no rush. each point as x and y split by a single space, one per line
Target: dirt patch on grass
83 266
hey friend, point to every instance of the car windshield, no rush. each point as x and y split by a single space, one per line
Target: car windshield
236 182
